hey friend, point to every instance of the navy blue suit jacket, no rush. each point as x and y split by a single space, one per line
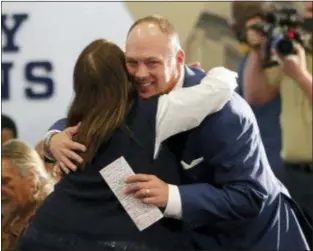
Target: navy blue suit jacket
268 118
232 199
59 125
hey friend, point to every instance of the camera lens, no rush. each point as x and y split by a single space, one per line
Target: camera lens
272 18
284 47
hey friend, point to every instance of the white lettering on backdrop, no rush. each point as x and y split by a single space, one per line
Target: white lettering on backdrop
40 44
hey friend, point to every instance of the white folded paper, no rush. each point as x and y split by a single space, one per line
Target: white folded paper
115 175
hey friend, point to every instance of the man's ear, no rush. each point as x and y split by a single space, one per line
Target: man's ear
180 57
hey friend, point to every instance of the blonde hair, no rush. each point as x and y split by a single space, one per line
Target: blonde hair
27 161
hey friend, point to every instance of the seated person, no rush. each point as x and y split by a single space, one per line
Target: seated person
25 184
50 167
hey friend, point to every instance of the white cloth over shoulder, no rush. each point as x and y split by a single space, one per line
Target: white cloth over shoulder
185 108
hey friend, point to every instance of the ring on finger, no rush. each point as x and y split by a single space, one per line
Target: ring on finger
147 192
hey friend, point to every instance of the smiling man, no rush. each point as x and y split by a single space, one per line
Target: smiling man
156 62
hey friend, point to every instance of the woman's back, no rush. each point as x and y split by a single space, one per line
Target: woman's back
82 202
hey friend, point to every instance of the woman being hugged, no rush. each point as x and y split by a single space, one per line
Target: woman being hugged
114 121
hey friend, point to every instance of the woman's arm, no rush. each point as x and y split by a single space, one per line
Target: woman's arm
185 108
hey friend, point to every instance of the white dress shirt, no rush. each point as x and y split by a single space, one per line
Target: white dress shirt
185 108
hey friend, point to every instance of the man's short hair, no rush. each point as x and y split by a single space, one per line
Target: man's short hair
165 26
8 123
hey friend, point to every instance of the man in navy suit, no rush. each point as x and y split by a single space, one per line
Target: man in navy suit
230 198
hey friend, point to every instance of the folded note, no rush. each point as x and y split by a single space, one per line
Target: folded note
115 175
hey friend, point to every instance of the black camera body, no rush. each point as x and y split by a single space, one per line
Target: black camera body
282 28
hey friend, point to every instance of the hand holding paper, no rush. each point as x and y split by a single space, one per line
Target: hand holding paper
115 174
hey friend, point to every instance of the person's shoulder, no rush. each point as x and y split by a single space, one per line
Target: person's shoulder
144 109
193 76
234 123
61 123
237 106
236 112
194 72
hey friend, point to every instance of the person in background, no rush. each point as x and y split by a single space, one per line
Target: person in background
292 79
308 19
8 129
244 15
24 185
53 170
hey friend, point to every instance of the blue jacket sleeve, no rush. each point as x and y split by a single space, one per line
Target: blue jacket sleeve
230 144
58 125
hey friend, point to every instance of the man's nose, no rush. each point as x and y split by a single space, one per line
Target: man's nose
142 71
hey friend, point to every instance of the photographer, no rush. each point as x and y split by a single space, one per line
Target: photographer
293 79
267 114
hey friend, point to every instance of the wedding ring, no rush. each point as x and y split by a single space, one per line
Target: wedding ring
147 192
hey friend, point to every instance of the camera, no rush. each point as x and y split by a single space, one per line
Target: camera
282 28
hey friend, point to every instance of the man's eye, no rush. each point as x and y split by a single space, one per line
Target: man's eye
131 63
152 63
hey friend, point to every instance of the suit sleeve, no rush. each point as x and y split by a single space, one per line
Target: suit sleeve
231 145
58 125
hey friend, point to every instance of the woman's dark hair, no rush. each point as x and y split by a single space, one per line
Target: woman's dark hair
102 92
